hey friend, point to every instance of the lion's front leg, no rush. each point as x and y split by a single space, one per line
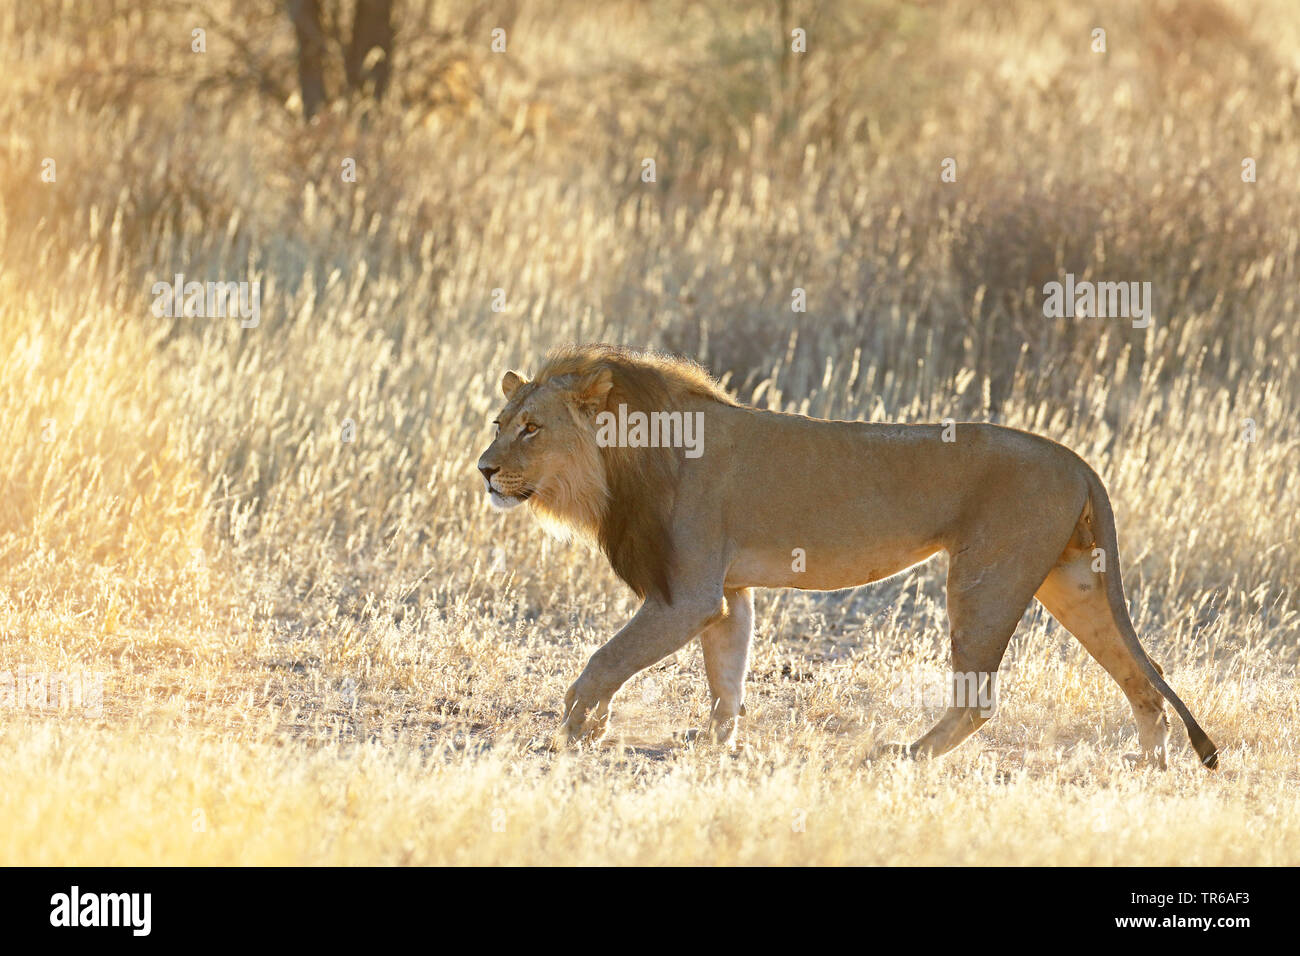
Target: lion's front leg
726 644
586 710
657 630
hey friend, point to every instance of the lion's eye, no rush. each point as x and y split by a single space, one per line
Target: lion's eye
531 429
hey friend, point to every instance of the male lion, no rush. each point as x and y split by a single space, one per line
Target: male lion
693 531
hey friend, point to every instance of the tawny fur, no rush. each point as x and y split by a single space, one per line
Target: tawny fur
1019 516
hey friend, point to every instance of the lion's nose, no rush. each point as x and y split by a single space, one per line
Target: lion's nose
488 473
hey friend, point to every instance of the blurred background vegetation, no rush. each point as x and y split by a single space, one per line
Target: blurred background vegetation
520 170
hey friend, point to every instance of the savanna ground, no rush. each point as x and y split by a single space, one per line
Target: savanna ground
319 651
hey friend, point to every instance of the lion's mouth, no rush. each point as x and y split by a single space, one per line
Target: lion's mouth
508 498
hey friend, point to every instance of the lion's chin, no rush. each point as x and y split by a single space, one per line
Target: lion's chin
504 502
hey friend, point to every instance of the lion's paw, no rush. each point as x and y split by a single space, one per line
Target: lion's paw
894 752
1146 761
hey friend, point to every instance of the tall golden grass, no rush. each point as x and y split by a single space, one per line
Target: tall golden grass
319 651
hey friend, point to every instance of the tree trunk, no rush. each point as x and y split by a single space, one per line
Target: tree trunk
372 28
305 15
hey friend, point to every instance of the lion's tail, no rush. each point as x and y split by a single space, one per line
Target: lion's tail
1104 529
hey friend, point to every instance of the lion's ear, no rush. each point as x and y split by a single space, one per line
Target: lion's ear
511 383
592 391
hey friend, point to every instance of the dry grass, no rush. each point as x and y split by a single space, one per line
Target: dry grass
325 652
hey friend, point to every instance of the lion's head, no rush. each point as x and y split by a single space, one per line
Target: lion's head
546 453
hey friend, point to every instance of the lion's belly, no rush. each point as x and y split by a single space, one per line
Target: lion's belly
813 569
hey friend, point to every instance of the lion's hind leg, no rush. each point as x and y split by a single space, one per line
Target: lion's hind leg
993 573
986 599
1075 595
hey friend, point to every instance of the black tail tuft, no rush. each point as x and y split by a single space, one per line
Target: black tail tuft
1205 748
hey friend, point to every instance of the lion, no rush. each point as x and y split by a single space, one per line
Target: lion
594 444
